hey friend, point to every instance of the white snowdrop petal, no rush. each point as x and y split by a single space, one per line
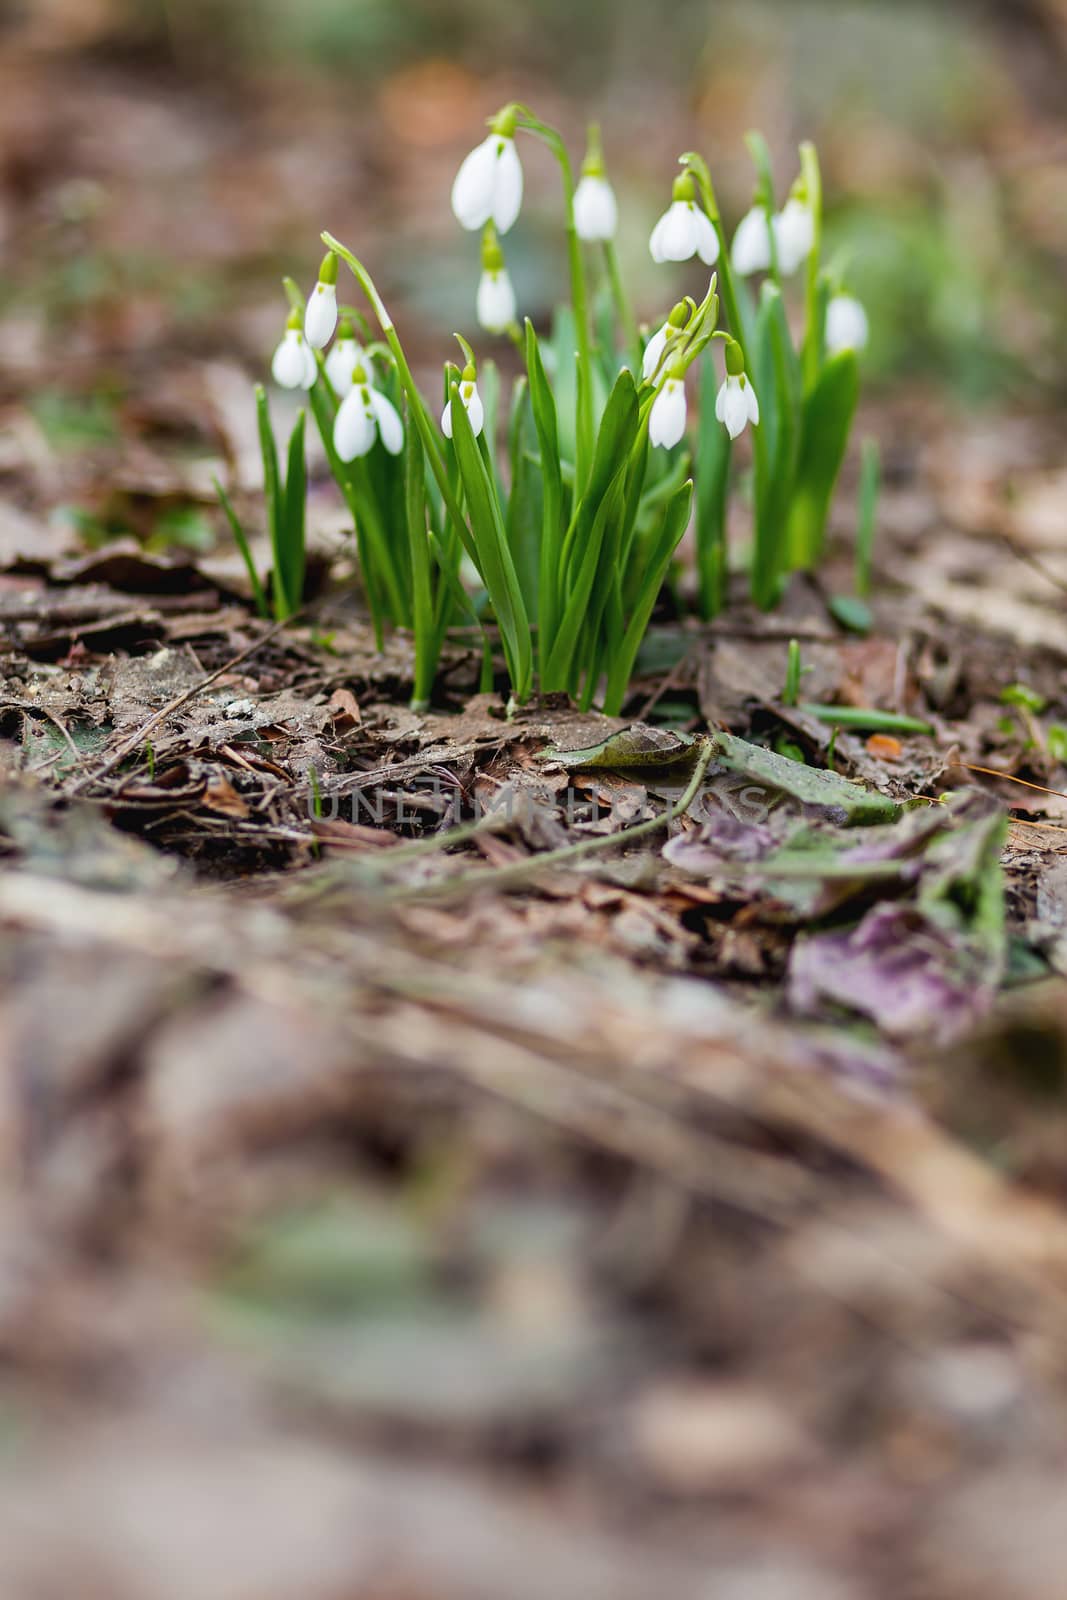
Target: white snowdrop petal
476 412
287 366
666 422
751 249
847 327
720 402
495 304
390 427
341 362
751 401
678 240
446 420
354 431
794 234
655 242
472 191
654 352
707 240
734 407
311 366
507 184
596 213
320 318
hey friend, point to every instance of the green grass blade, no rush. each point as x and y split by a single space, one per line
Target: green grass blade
422 606
273 497
294 518
675 521
545 423
258 592
494 557
713 455
826 424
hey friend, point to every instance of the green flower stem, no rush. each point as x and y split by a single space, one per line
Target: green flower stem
623 309
579 295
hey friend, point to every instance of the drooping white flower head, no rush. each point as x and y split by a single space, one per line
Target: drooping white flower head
293 365
847 327
343 360
471 401
751 249
488 185
495 306
596 211
666 420
320 318
656 347
363 416
684 230
736 404
794 234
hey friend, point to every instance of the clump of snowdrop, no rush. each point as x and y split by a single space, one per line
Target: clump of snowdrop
495 305
736 405
684 230
320 318
293 364
364 415
488 185
448 536
595 209
847 327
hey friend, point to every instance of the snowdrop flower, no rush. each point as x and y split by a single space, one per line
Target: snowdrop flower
495 306
736 404
343 360
751 249
657 345
847 327
293 365
666 421
684 230
596 214
320 319
363 416
488 186
471 400
794 234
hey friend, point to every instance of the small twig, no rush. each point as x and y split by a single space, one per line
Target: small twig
521 871
137 740
1029 559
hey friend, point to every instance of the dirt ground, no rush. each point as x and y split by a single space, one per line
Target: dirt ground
400 1220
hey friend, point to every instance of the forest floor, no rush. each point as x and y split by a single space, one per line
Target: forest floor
389 1219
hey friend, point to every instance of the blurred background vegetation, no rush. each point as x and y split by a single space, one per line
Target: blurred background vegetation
162 162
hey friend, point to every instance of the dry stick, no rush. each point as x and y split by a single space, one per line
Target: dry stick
137 739
521 871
